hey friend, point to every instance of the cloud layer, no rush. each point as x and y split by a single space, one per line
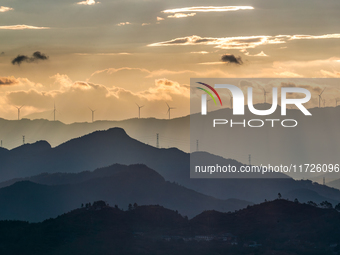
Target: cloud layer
74 97
5 9
209 9
6 81
181 15
88 2
240 42
21 27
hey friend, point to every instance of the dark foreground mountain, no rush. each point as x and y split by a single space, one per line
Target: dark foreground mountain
103 148
279 227
117 184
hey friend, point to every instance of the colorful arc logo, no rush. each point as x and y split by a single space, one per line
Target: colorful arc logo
212 89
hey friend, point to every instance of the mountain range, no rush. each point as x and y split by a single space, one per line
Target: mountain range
104 148
117 185
315 139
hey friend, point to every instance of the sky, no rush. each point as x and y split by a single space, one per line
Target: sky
110 55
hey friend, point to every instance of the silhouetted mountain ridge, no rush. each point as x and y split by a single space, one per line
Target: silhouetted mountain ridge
31 148
117 184
277 227
104 148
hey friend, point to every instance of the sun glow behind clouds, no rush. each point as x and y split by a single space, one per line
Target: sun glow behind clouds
209 9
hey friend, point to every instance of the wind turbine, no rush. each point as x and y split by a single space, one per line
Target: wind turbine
169 109
320 97
54 111
92 113
265 95
139 110
231 100
19 111
336 102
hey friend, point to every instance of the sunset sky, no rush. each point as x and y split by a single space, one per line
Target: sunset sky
111 54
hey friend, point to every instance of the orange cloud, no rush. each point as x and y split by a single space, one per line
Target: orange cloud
8 81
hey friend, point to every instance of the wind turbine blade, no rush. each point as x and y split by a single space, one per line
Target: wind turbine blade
322 91
167 104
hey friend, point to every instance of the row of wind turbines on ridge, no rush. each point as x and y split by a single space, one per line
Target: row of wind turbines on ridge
93 111
321 100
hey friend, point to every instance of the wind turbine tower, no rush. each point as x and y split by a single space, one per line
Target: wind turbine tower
139 110
320 97
54 110
92 114
19 108
169 109
265 95
231 100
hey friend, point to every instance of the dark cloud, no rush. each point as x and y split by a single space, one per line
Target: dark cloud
231 59
19 59
35 57
39 55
